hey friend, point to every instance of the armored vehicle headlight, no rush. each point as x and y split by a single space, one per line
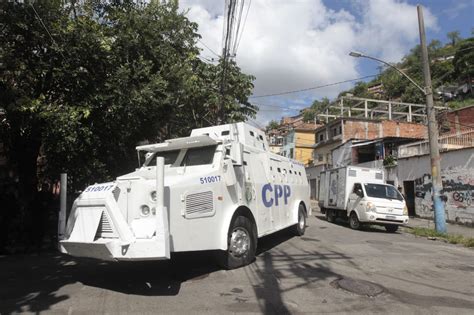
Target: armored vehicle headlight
145 210
370 207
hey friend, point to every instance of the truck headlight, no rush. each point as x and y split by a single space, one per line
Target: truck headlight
153 196
370 207
405 210
145 210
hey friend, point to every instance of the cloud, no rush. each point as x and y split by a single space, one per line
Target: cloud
457 8
290 45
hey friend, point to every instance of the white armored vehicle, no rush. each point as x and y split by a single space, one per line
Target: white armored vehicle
219 189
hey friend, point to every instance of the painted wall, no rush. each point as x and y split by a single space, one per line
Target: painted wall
457 170
304 146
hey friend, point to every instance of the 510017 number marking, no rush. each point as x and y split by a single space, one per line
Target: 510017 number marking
98 188
210 179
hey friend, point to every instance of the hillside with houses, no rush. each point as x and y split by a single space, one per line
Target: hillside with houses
383 124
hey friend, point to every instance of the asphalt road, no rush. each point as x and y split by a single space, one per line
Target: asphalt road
290 275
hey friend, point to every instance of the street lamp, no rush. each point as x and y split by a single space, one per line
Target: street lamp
361 55
436 180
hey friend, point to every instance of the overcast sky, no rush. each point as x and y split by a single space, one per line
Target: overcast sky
291 45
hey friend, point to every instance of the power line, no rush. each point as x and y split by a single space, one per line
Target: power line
46 29
314 87
243 27
239 20
212 51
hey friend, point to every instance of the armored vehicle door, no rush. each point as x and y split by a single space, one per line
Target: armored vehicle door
256 177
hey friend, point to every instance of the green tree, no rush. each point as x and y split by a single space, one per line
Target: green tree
454 37
318 107
273 124
464 61
99 80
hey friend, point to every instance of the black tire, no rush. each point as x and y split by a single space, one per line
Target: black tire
354 221
391 228
330 216
300 227
241 231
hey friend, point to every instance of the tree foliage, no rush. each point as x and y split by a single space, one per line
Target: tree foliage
444 71
97 79
454 37
318 107
273 124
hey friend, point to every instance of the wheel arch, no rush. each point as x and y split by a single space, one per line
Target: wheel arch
296 209
241 210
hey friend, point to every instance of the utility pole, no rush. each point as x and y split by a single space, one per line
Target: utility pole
437 184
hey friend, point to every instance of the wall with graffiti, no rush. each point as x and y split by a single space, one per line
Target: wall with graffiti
457 170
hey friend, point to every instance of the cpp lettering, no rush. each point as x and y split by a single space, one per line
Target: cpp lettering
272 194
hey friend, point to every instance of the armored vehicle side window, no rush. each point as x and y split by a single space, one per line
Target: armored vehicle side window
169 156
199 156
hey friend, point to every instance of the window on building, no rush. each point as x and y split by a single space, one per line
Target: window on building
321 137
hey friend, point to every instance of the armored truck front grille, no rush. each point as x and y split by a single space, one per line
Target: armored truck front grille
199 205
105 229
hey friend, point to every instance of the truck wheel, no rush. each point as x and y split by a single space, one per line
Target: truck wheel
300 227
241 244
354 221
330 216
391 228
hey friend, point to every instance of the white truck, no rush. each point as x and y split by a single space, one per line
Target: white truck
361 195
219 189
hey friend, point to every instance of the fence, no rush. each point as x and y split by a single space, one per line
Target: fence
452 141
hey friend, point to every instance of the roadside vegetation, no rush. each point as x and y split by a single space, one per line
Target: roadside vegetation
452 71
450 238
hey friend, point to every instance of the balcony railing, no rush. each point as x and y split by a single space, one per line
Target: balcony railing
453 141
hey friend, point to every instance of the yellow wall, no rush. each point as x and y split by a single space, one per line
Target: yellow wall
304 140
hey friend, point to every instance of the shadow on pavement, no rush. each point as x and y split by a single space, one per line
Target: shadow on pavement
301 269
373 228
30 282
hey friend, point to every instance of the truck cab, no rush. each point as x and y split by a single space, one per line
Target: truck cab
376 203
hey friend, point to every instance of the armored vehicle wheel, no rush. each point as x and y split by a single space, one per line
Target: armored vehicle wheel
354 221
300 227
330 216
391 228
241 244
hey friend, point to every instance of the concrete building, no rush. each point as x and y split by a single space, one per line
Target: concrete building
298 143
413 173
351 141
457 120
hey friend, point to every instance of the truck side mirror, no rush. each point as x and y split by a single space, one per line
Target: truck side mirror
234 152
229 173
359 193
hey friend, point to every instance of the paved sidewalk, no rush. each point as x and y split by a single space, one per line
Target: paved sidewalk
451 228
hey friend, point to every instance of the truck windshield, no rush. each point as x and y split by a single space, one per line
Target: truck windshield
382 191
199 156
169 156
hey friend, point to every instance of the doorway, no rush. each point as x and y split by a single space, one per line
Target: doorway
409 190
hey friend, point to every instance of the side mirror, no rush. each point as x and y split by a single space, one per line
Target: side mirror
234 151
229 173
359 193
